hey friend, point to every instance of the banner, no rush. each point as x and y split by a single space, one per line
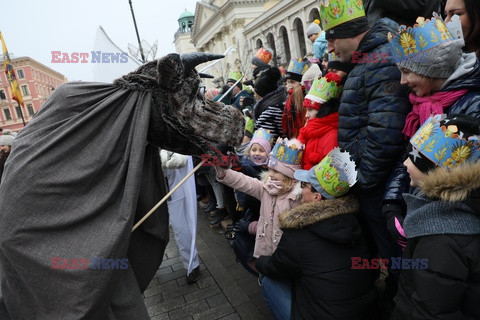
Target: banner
12 79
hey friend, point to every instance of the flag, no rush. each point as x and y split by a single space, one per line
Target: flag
12 79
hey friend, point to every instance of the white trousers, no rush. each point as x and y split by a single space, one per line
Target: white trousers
182 207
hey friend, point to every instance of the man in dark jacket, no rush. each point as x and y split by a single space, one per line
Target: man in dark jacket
321 239
372 111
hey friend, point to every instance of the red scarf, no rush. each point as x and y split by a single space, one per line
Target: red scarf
318 127
424 107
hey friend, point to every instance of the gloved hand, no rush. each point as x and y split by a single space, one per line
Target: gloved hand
394 215
172 160
241 225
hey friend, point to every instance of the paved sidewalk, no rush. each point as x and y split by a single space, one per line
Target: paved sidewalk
225 290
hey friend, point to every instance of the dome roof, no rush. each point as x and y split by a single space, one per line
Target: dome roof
186 14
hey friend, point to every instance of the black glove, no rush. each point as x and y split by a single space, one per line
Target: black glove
394 214
241 225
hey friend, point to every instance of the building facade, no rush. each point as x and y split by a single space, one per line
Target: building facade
247 25
36 82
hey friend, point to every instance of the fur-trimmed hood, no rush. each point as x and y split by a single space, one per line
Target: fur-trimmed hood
456 184
332 219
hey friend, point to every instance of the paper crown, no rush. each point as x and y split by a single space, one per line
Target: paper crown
289 154
333 57
322 90
336 12
249 126
425 35
264 134
264 55
235 75
443 144
298 66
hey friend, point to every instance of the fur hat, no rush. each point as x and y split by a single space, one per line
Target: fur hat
286 156
445 142
267 81
6 140
314 28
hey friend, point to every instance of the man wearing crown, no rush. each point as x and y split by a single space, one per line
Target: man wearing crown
372 113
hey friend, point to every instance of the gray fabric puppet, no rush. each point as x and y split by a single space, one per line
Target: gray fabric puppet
82 172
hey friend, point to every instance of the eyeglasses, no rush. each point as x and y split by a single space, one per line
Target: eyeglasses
304 184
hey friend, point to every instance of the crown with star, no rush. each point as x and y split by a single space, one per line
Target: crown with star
322 90
298 66
446 142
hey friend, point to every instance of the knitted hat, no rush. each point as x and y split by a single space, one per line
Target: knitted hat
445 142
314 28
267 81
262 57
323 89
427 49
264 138
6 140
343 19
310 75
297 68
333 176
286 156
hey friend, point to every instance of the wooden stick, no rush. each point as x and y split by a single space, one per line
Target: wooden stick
149 213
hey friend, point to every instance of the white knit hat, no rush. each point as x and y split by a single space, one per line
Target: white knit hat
314 27
6 140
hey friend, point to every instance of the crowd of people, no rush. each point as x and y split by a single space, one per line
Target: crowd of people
361 158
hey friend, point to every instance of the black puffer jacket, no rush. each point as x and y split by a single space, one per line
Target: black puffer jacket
445 231
372 110
315 252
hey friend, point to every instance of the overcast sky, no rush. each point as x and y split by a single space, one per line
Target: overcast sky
35 28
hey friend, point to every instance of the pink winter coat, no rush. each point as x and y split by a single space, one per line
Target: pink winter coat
268 228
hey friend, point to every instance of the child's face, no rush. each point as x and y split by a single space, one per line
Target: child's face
310 114
275 175
421 86
415 174
258 154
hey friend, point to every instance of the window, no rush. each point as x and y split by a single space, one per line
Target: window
18 111
20 73
25 91
2 95
7 114
31 112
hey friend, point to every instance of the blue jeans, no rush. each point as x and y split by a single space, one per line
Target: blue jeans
278 296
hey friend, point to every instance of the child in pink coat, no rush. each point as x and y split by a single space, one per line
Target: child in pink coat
275 191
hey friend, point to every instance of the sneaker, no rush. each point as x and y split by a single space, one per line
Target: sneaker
193 276
217 216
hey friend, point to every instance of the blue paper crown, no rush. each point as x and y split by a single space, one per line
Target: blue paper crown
444 145
264 134
425 35
298 66
288 154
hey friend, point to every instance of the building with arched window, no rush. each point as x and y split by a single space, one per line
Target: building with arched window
247 25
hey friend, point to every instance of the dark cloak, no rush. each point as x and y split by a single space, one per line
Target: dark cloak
88 138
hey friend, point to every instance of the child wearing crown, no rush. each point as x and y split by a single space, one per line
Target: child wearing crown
442 225
442 79
275 192
311 273
320 132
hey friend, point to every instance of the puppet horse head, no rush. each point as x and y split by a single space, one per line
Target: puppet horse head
181 120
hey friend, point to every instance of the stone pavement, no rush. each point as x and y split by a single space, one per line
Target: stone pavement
225 290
